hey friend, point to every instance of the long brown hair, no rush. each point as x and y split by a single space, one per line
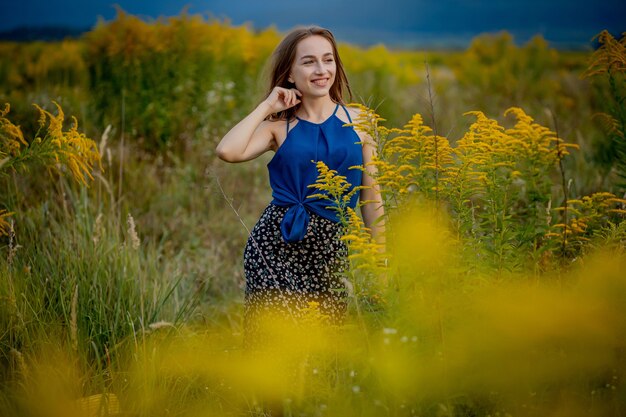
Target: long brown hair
285 54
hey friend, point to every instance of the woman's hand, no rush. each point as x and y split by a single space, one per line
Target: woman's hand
282 98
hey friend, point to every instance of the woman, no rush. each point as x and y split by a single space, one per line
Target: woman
294 254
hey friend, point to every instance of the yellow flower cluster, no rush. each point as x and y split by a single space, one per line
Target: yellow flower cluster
494 68
496 181
528 149
534 142
417 159
11 137
421 156
70 148
4 225
482 146
34 66
130 38
588 213
311 314
609 57
365 253
403 65
11 140
333 187
395 172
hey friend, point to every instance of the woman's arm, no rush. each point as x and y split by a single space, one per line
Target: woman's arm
249 138
374 209
253 135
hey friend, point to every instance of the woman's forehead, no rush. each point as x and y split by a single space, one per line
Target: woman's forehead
314 46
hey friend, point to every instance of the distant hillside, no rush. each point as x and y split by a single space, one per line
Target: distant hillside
402 40
41 33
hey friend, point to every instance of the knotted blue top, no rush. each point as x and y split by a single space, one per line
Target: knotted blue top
293 168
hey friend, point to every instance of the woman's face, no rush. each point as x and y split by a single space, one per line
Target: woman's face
314 68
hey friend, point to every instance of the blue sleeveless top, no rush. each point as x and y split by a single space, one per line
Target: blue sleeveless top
293 168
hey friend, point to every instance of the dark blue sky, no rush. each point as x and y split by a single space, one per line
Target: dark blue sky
395 22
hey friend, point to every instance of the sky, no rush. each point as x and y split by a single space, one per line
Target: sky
402 23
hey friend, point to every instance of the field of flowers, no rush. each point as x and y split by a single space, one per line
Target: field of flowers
499 292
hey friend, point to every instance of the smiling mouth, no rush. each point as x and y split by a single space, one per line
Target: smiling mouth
321 82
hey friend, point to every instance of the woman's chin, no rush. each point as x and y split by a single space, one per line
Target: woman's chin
316 94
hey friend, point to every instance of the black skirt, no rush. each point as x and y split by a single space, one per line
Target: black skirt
285 277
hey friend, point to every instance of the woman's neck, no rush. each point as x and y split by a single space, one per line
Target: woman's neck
316 109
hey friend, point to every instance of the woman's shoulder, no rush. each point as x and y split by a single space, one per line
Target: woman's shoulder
355 110
278 128
352 111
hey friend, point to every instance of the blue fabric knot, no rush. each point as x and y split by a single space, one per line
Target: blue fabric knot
295 223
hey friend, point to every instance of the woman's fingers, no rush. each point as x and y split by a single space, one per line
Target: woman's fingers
295 93
289 97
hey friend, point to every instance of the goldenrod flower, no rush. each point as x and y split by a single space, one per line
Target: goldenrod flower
71 148
55 149
589 214
11 136
365 253
5 227
312 314
609 57
334 187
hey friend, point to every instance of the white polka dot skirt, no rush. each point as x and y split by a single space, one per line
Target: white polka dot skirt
284 277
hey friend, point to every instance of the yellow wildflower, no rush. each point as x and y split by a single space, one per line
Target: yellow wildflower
71 148
11 136
609 57
4 225
313 315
